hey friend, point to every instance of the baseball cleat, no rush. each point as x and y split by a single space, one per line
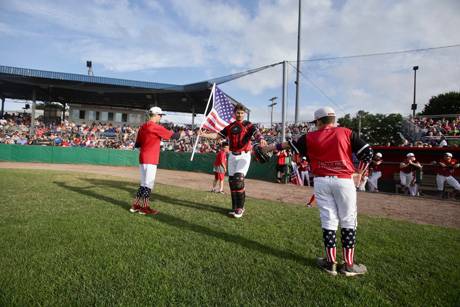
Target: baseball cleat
148 211
356 269
134 208
238 213
327 266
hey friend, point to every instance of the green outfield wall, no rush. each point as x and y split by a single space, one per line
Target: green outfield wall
104 156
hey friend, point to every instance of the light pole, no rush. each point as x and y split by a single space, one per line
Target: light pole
414 105
296 115
272 105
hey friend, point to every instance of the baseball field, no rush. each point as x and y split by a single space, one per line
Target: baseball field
67 239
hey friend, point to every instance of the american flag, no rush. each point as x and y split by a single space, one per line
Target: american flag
221 113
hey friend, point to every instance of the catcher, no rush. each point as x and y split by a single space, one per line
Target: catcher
239 134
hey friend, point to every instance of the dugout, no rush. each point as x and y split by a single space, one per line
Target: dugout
394 155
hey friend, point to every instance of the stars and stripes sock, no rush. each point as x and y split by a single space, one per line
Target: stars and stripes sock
348 245
330 244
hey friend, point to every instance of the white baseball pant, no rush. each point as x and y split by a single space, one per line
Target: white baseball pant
239 163
406 179
441 180
148 174
373 181
336 200
305 176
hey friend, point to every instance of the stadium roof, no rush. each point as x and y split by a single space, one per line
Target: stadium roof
49 86
19 83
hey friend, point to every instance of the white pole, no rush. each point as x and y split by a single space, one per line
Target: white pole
206 110
284 102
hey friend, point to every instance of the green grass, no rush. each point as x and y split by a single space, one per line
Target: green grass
68 240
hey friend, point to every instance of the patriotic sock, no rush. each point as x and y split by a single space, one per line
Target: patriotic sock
330 244
348 245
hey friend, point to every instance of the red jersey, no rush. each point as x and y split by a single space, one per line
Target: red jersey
409 168
329 151
148 139
374 167
282 158
448 169
221 159
239 134
303 166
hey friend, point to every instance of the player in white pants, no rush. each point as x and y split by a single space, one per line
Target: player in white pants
239 134
407 173
329 150
375 171
445 172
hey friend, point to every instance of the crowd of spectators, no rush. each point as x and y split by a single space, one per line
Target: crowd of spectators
15 129
435 132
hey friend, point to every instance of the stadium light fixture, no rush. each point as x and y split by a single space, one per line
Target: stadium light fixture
414 105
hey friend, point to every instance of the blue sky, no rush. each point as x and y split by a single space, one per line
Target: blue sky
184 41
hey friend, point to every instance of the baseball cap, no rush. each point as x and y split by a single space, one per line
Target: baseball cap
410 155
448 154
304 158
323 112
156 110
378 154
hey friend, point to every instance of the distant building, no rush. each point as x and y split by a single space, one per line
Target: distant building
116 116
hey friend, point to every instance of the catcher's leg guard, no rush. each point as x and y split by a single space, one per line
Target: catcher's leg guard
330 244
237 189
348 245
230 180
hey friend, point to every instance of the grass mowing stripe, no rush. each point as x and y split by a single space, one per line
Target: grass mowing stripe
68 239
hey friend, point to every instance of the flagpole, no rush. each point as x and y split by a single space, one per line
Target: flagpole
204 119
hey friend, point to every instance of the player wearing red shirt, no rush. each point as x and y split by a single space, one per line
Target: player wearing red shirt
407 173
304 171
239 134
220 168
445 173
375 172
329 150
148 140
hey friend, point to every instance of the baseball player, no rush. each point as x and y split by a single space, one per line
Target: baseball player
148 140
239 134
303 169
375 171
220 168
407 173
445 172
329 150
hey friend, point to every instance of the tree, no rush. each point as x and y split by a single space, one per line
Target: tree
448 103
378 129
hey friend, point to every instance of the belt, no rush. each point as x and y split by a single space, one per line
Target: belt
336 176
237 153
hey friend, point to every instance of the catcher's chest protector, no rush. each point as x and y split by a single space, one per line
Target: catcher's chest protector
238 136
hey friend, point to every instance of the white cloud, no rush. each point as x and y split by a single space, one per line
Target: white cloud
221 37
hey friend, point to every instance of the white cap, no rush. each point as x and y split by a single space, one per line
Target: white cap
304 158
448 154
156 110
378 155
410 155
323 112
